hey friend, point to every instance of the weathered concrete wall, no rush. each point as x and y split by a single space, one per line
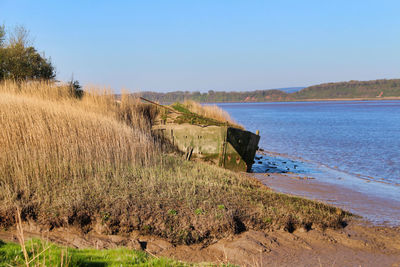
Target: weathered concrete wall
229 147
245 144
203 140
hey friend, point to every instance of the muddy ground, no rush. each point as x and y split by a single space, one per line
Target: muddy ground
358 244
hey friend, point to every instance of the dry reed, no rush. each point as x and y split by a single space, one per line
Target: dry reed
210 111
61 140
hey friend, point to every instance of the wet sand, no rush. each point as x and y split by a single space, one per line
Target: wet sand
371 207
374 200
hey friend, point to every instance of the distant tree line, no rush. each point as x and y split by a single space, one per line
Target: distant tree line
214 96
352 89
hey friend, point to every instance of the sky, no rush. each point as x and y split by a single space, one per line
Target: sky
212 44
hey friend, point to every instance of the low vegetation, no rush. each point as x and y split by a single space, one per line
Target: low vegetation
210 111
92 163
195 113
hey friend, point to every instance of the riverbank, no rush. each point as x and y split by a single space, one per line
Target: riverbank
377 210
357 244
93 164
374 200
89 172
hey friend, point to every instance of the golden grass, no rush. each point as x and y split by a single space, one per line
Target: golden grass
93 163
210 111
47 142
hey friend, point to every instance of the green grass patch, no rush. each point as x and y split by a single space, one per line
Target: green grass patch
11 254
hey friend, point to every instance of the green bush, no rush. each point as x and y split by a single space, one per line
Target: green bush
21 61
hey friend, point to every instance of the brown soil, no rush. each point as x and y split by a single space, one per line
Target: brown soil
358 244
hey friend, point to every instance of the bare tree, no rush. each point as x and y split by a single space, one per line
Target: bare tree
19 36
2 35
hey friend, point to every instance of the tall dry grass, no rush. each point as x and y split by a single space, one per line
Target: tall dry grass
210 111
49 138
39 89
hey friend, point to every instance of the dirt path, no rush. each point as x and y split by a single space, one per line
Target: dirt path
357 244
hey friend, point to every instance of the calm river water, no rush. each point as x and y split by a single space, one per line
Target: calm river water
356 139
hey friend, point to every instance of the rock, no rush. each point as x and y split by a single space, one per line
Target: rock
133 244
156 246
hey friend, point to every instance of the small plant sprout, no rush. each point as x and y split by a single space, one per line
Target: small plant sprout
198 211
172 212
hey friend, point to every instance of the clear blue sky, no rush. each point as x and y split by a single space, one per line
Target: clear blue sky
213 44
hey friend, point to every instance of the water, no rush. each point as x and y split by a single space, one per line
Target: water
351 143
359 137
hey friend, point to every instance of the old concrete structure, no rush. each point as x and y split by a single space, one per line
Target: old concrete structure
229 147
220 142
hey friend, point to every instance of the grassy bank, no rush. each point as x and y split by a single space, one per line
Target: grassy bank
194 113
94 164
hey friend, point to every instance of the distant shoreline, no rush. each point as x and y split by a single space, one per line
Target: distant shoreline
311 100
301 100
338 91
336 99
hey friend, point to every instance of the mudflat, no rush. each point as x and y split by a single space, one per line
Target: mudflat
358 244
378 210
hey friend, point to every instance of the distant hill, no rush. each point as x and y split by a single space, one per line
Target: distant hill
376 89
351 89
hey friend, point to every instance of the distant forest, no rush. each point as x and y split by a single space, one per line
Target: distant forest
352 89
